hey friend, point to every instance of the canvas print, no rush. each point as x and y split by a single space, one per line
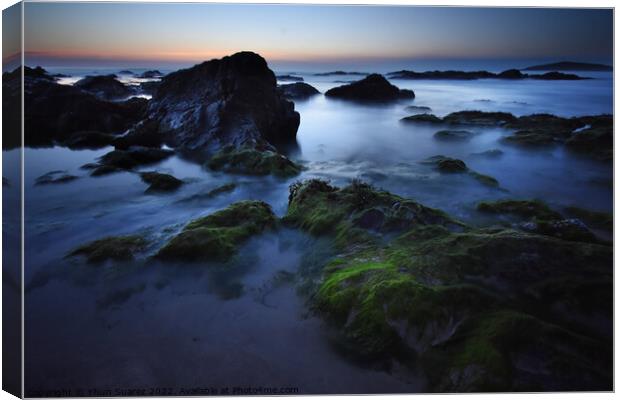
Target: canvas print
254 199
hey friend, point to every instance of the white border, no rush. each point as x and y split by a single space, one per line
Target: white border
479 3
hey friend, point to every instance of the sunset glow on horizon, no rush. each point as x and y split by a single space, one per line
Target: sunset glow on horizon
189 33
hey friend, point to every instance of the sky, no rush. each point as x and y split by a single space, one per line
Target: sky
184 34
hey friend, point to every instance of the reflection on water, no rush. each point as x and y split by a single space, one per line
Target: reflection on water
244 323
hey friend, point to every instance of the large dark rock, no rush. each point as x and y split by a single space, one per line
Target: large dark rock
105 87
372 88
54 113
228 101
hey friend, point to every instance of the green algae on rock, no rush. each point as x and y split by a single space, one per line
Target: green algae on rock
216 236
117 248
319 208
460 304
428 118
522 208
540 219
251 161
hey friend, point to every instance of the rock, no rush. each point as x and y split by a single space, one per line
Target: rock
6 182
160 182
511 74
460 75
484 179
453 135
590 135
229 187
570 66
144 134
289 78
126 72
532 138
472 75
340 73
88 140
150 74
116 248
54 113
557 76
319 208
119 160
374 87
297 90
105 87
427 118
566 229
216 236
594 219
55 177
452 165
479 118
475 309
149 87
419 109
446 164
522 208
230 101
250 161
595 142
493 153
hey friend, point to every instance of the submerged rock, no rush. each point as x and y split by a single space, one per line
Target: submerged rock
229 187
252 161
105 87
160 182
428 118
446 164
117 248
374 87
297 90
493 153
420 109
452 165
479 118
216 236
54 177
453 135
228 101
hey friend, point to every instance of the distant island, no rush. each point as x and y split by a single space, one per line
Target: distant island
513 74
569 66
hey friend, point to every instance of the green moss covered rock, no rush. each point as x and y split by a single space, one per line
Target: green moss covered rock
251 161
492 309
319 208
217 236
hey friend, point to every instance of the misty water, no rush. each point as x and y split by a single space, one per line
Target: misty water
144 324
